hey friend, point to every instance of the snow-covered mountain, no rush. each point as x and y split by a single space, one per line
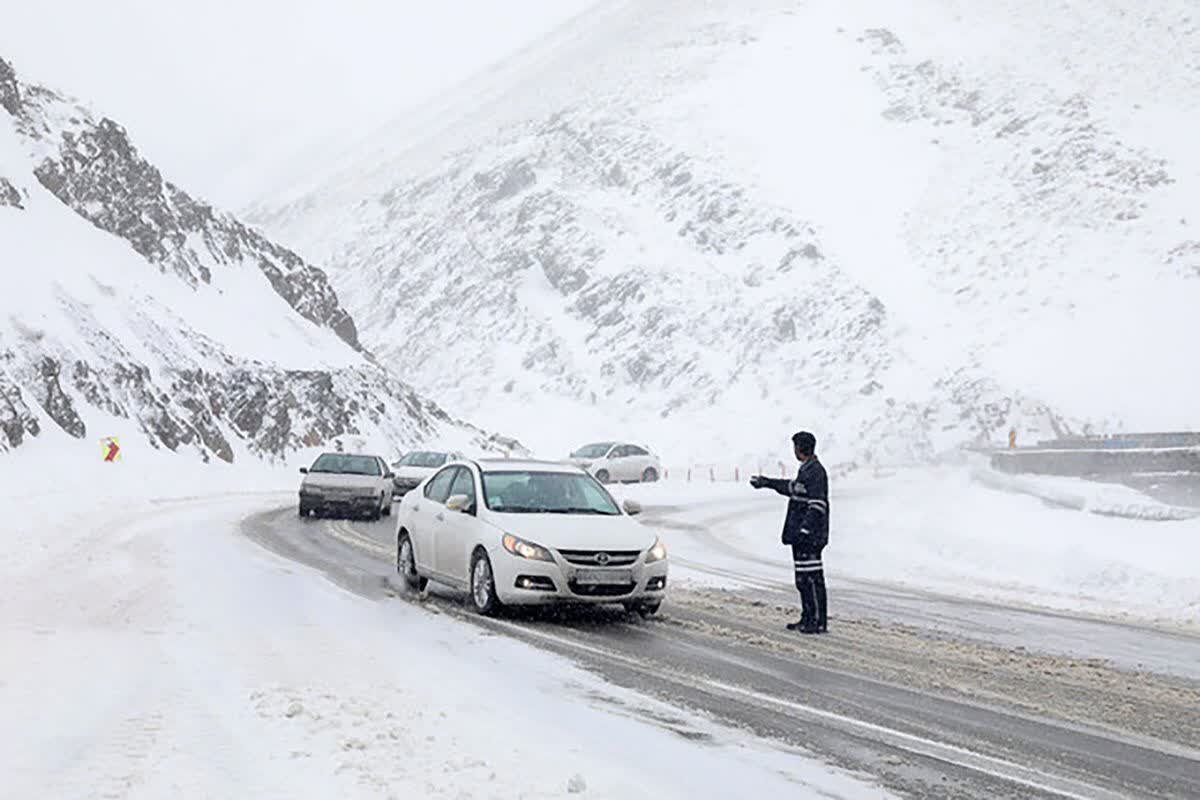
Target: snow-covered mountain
128 304
703 225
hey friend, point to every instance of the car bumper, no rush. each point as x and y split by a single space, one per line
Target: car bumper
522 582
339 503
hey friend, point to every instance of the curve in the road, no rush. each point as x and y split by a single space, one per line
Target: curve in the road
918 742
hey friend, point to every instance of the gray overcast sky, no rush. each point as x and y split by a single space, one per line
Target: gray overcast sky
220 93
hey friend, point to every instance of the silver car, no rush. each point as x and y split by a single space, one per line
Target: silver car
415 467
347 485
618 462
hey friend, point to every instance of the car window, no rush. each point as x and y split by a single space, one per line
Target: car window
634 450
464 483
424 459
620 452
342 464
530 492
438 489
592 450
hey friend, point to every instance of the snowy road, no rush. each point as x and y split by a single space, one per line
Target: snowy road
933 697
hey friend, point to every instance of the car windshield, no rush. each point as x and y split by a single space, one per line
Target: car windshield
431 460
592 450
528 492
340 464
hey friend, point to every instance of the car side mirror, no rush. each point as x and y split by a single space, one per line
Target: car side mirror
389 474
304 470
632 507
460 503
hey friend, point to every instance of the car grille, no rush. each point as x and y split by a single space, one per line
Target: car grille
600 558
600 590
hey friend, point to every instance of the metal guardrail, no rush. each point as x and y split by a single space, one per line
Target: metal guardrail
1123 441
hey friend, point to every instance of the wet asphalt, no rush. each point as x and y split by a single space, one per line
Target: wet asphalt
915 742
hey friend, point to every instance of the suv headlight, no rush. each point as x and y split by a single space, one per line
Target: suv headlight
524 549
656 553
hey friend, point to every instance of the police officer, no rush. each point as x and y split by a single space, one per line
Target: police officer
806 529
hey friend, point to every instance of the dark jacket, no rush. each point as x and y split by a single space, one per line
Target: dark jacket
807 521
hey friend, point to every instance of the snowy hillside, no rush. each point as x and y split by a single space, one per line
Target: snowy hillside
127 303
907 227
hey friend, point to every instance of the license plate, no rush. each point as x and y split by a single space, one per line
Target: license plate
604 577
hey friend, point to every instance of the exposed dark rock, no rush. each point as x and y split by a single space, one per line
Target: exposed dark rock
10 90
55 402
9 196
16 420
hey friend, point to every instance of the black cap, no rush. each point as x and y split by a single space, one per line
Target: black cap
806 442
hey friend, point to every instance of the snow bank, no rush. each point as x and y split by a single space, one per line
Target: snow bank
1108 499
938 529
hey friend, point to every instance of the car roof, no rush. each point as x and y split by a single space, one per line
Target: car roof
525 465
352 455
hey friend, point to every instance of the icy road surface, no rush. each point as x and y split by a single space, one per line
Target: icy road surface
933 697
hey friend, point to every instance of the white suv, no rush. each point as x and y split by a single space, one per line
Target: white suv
618 461
528 533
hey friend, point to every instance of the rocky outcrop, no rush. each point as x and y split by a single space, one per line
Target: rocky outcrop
9 196
95 345
16 420
96 170
10 90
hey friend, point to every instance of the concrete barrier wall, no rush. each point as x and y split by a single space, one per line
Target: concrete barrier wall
1081 462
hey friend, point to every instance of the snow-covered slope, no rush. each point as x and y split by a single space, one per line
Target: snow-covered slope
126 299
706 224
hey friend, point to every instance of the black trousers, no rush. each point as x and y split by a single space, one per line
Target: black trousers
810 582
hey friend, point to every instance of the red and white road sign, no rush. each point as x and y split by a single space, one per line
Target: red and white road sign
110 448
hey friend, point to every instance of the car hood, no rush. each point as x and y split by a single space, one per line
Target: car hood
329 480
413 473
577 531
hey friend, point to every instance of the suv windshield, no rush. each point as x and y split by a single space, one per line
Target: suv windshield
521 492
431 460
592 450
340 464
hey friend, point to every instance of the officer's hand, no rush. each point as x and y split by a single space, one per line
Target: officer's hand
756 481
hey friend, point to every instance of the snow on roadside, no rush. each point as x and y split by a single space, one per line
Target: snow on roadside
1109 499
938 529
149 650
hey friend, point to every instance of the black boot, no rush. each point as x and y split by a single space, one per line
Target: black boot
820 620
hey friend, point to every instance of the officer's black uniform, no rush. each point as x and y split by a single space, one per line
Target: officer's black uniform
806 529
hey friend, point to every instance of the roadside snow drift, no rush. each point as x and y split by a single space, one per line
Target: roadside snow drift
942 530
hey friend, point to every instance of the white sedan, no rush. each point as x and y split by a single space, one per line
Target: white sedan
618 462
417 466
528 533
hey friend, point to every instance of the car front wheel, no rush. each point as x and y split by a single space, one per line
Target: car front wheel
483 586
406 565
650 475
602 476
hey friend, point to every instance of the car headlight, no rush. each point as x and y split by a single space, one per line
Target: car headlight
524 549
657 553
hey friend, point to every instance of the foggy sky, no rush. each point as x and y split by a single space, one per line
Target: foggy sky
225 95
